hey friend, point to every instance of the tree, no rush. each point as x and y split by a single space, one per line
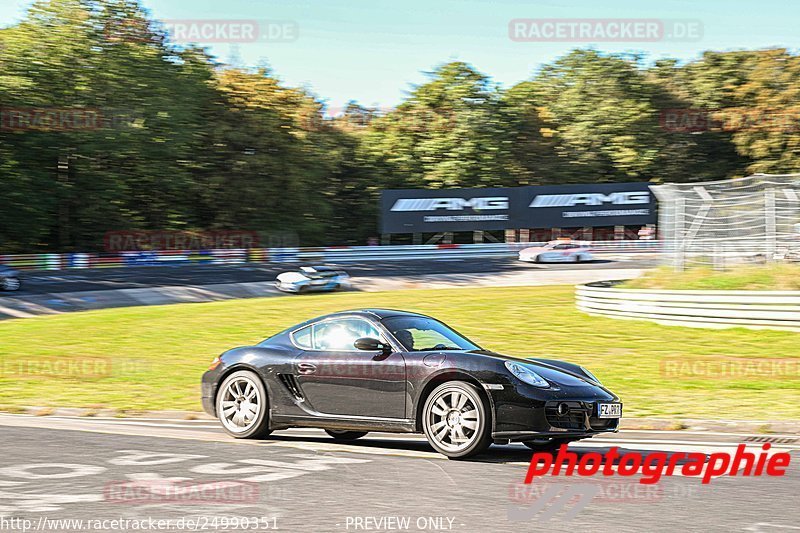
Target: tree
447 133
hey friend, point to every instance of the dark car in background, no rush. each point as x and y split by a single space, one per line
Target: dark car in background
9 279
383 370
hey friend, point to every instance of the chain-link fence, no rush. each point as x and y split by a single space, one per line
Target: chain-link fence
746 220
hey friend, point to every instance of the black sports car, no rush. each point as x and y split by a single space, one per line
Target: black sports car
383 370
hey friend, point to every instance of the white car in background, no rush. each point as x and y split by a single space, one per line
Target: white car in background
313 278
9 279
559 251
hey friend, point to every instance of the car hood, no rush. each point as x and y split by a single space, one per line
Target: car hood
534 250
550 371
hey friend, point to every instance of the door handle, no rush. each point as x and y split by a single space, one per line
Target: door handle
306 368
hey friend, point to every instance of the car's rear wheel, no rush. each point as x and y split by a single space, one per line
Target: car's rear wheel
242 406
456 421
345 435
11 284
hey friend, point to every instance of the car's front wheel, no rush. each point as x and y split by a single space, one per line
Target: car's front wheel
11 284
345 435
456 421
242 406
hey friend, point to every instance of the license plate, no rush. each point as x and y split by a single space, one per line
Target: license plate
609 410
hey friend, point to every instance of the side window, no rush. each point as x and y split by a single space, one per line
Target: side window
302 337
341 334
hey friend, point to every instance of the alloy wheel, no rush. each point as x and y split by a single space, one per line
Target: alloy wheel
453 420
241 403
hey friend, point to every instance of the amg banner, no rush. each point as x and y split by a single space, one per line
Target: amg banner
549 206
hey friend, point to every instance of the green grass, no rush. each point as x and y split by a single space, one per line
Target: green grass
153 357
778 277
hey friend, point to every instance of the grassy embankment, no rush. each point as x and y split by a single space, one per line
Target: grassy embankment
778 277
152 357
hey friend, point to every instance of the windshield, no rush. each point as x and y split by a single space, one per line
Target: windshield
420 334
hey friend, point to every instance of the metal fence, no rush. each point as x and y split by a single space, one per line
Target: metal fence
752 219
352 254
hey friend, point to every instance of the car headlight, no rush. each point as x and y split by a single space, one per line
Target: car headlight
526 374
591 376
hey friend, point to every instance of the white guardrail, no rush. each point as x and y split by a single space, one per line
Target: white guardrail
694 308
438 251
334 254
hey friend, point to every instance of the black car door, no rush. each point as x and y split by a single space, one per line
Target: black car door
337 379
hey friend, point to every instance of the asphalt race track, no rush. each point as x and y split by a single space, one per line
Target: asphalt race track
301 480
42 282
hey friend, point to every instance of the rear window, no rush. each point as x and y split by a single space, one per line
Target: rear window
302 337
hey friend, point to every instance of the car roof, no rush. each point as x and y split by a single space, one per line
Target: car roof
380 314
318 268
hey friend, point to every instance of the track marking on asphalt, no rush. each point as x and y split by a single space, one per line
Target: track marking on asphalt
603 440
712 433
205 420
190 433
40 423
690 443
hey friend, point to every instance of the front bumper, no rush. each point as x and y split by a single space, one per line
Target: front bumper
208 390
527 413
287 287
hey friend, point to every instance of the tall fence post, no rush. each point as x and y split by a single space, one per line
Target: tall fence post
769 214
678 241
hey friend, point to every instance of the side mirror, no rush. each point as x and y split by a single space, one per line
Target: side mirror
372 345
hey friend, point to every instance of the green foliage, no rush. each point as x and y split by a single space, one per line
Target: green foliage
181 142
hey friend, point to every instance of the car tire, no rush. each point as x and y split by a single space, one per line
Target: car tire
537 259
550 446
11 284
454 411
302 290
345 435
240 394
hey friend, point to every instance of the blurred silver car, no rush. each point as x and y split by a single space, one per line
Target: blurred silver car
9 279
313 278
559 251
